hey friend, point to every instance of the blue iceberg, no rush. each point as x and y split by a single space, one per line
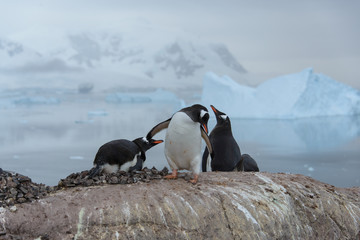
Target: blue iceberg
303 94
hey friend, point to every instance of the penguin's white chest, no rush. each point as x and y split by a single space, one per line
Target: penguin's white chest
183 142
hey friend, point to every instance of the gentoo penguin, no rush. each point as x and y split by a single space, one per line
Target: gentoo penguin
183 139
226 150
247 164
122 154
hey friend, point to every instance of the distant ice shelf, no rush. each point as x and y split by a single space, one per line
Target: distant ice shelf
158 95
10 102
298 95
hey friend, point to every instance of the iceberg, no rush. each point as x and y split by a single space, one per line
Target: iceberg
298 95
97 113
35 100
27 101
19 97
159 95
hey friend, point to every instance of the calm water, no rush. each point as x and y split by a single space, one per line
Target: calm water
48 142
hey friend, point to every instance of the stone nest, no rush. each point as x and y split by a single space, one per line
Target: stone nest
16 188
121 177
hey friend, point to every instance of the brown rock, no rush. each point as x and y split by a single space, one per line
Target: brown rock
221 206
11 183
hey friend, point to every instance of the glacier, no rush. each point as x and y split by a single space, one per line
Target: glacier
298 95
165 58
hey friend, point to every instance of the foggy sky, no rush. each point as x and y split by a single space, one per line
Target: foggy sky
269 38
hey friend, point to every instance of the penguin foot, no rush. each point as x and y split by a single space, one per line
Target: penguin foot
173 175
194 181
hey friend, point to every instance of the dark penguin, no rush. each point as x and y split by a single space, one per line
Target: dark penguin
247 164
183 139
122 154
226 150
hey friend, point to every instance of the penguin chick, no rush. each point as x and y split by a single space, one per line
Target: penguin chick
183 139
226 150
247 164
122 154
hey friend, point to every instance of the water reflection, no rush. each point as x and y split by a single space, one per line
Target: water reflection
326 148
306 134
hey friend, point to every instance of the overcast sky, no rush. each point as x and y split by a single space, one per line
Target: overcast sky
268 38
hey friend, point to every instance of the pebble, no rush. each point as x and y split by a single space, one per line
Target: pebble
16 188
13 209
121 177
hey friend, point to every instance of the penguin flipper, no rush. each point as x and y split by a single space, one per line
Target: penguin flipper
205 159
207 141
158 128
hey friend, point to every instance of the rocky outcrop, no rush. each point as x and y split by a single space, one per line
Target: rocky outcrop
221 206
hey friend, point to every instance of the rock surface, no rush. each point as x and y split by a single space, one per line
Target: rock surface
221 206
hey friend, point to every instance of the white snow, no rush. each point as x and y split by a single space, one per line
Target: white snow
303 94
163 58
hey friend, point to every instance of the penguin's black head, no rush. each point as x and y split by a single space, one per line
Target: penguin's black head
221 118
198 113
145 144
204 118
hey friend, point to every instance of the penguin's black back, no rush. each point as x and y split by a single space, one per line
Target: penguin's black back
116 152
226 150
249 164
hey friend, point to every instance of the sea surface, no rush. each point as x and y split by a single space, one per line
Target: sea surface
48 142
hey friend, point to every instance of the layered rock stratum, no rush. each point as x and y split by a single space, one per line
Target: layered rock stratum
221 206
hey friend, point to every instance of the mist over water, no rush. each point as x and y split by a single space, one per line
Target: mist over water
48 142
325 148
120 54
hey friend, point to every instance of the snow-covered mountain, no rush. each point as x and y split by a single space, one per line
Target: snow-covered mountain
304 94
143 57
14 54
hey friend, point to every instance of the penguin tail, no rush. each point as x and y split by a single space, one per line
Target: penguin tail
94 171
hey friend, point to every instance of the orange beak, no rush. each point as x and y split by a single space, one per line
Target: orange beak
205 128
158 141
214 109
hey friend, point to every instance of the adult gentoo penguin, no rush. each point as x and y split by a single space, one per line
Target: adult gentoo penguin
227 154
183 139
226 150
122 154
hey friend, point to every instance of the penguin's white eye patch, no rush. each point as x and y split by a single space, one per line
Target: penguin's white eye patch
202 113
224 116
145 140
